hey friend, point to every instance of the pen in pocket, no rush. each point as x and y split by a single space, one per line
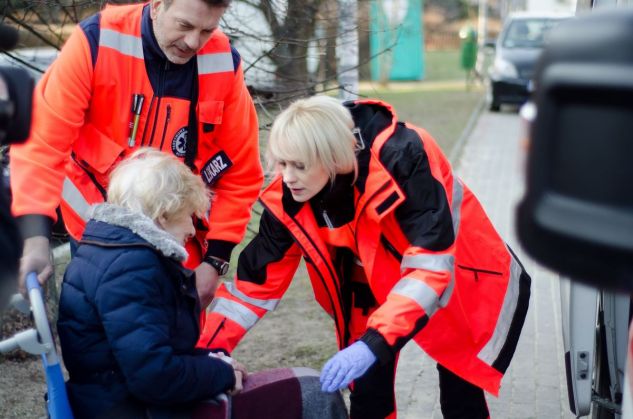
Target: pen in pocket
137 106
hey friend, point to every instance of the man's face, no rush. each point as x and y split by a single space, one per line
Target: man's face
183 27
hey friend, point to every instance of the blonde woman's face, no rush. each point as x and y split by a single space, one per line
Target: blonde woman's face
302 181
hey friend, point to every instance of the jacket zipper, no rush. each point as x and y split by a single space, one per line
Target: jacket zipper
149 113
162 140
220 326
161 83
328 222
478 271
92 177
341 328
391 248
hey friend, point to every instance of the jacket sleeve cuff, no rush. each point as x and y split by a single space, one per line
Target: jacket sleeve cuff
378 346
32 225
220 249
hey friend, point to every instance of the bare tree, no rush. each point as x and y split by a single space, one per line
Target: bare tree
287 46
347 49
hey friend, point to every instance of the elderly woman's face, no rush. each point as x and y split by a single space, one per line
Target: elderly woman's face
180 226
302 181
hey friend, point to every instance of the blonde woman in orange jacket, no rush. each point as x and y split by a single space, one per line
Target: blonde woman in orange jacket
396 247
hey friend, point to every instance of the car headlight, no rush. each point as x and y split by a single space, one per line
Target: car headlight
503 68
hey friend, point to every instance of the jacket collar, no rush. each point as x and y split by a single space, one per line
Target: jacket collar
142 226
371 117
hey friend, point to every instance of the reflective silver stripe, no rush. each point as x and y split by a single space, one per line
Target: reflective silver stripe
75 200
456 210
419 292
215 63
446 295
126 44
491 351
234 311
269 305
433 263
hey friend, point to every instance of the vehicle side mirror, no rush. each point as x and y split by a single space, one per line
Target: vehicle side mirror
577 213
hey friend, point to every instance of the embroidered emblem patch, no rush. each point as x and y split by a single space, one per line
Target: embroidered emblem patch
179 142
215 167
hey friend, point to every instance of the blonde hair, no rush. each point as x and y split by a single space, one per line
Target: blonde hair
157 184
315 131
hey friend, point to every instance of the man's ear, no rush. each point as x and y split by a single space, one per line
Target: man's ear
153 8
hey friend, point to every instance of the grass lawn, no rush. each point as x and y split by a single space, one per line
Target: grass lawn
443 113
443 65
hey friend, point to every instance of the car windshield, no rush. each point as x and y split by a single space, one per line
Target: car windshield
528 33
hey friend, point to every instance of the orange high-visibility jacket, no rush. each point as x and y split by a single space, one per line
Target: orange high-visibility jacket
82 123
439 272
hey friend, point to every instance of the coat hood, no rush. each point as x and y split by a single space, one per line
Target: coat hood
142 226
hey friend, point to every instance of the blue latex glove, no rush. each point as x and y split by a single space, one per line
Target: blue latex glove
347 365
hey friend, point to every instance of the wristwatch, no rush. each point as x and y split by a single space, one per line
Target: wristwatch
220 265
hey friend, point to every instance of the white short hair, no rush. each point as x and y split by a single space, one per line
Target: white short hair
157 184
316 130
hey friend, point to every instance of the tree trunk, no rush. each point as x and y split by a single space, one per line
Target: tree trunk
347 49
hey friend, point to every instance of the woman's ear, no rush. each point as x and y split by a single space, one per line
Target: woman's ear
160 221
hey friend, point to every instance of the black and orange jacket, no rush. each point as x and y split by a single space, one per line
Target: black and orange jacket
438 270
82 117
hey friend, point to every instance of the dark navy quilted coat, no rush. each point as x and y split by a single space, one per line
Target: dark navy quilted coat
128 321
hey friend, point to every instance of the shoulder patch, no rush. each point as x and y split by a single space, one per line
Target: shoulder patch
179 142
215 167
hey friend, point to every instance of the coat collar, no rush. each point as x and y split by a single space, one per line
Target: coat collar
142 226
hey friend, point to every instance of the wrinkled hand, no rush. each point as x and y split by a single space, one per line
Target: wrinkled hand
347 365
36 257
207 282
239 384
240 376
238 369
238 366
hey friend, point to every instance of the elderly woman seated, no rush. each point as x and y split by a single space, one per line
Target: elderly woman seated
129 310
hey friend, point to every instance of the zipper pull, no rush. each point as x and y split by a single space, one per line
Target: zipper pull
220 326
167 118
328 222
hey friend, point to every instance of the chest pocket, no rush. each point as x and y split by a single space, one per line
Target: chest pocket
98 151
210 114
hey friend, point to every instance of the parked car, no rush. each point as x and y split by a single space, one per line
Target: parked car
517 49
35 60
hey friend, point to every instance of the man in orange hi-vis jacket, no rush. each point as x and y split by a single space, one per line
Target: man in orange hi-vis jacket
161 75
